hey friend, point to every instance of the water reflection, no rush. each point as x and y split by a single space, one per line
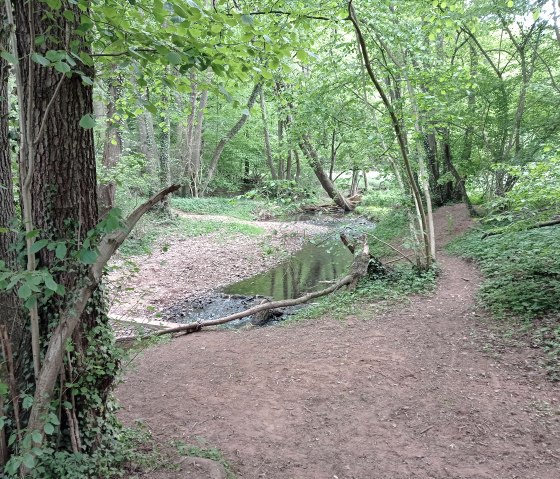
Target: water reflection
310 269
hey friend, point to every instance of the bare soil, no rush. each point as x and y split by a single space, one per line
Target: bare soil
425 389
191 268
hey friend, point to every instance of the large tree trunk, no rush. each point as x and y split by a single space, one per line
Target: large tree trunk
11 315
112 150
228 137
322 176
64 204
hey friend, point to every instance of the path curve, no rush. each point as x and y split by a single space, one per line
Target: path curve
422 390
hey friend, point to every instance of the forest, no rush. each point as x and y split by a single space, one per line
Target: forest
164 159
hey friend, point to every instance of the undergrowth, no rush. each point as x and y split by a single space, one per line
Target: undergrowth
401 283
522 270
239 208
154 226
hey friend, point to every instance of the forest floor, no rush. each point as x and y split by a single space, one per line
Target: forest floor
429 388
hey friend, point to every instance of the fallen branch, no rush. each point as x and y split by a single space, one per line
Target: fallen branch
357 271
70 317
538 225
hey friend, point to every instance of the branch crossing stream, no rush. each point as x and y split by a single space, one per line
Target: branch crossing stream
321 261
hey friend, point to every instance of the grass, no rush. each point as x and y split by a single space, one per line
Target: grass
242 209
522 282
154 226
143 455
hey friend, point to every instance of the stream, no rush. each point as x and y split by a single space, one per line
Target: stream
320 262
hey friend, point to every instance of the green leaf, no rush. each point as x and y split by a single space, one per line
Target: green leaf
50 283
510 3
87 121
40 59
8 57
38 246
24 291
27 402
28 460
36 437
174 58
87 256
48 428
61 251
62 67
247 19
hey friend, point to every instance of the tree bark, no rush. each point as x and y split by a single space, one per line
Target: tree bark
228 137
63 189
11 315
322 176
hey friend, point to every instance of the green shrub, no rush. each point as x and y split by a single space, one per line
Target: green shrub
522 270
282 191
241 208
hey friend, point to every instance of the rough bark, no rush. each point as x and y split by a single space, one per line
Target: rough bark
315 163
63 184
11 316
228 137
71 316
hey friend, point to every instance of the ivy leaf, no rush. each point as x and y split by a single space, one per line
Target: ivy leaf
50 283
27 402
62 67
28 460
87 121
48 428
36 437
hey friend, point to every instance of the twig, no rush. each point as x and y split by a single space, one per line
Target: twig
425 430
392 247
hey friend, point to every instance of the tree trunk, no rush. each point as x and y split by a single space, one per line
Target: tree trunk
147 140
228 137
298 166
267 149
326 183
112 150
63 197
164 168
281 164
11 316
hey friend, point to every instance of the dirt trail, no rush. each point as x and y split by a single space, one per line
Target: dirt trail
417 391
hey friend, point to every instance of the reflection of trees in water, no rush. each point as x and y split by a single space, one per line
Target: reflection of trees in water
302 274
297 278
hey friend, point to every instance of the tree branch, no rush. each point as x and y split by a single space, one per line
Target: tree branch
70 316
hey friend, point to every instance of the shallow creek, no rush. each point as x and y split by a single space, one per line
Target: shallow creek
320 262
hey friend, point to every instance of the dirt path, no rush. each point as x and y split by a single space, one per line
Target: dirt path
419 391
